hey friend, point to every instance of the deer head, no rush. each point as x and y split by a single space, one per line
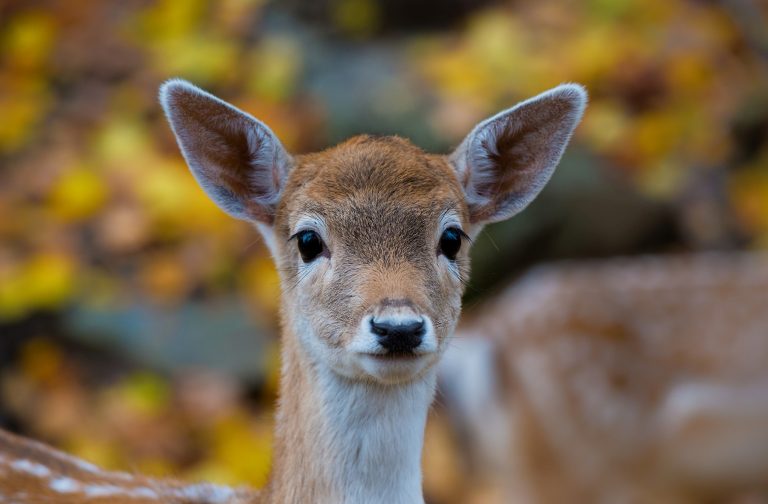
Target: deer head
371 236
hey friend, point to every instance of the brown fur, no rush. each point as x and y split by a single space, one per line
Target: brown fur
382 198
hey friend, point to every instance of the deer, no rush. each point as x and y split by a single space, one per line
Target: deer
371 239
645 381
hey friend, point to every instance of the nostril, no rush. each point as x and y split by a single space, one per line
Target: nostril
398 337
379 328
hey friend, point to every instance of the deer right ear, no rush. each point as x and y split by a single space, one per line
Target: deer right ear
507 160
235 158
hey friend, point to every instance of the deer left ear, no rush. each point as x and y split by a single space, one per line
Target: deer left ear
237 159
507 160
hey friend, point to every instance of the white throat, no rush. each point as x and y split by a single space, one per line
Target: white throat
341 441
375 435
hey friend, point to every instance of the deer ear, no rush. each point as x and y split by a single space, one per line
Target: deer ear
235 158
506 160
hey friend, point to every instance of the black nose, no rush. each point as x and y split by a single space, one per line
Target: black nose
400 337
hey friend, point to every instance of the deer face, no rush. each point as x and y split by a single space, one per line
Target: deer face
371 237
372 247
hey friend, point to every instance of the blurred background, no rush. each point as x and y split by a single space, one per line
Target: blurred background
138 322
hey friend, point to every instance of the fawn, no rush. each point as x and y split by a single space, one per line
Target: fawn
371 240
645 381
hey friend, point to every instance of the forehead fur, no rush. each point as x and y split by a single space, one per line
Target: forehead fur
365 174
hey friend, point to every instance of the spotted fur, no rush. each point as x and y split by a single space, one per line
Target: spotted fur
32 473
645 381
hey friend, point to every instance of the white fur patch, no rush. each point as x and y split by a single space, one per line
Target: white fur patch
210 494
65 485
375 437
31 468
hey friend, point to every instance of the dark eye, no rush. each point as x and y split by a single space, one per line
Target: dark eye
450 243
310 245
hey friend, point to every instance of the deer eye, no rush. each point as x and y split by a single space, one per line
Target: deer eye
310 245
450 242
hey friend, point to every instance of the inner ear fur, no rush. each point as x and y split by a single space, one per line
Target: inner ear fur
507 159
236 158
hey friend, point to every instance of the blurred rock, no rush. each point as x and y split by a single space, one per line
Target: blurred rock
218 335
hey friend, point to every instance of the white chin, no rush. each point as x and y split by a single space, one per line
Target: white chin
393 370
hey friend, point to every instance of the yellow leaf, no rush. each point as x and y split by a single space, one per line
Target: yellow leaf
13 305
243 450
202 58
27 40
23 102
144 392
120 141
78 194
261 283
749 193
357 17
49 280
170 19
657 133
276 65
605 124
661 179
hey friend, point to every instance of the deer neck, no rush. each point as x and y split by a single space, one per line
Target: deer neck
343 441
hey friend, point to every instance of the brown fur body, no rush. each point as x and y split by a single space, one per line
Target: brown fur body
645 382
